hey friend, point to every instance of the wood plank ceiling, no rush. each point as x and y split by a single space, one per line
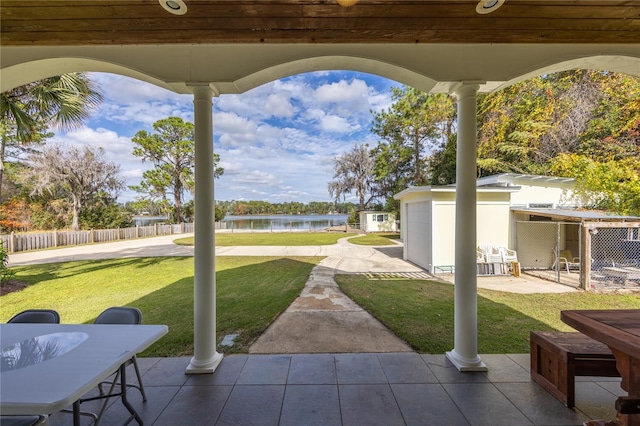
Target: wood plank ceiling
126 22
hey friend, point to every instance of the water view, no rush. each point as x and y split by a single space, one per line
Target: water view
284 222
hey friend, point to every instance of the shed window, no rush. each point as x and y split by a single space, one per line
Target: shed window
380 217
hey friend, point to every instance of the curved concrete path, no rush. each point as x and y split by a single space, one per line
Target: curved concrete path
322 318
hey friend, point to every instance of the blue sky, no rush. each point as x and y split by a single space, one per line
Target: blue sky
276 142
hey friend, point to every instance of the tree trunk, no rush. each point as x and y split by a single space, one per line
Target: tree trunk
177 196
75 223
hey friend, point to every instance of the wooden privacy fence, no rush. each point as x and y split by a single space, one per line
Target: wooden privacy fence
16 242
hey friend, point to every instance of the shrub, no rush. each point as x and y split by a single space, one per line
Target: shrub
5 272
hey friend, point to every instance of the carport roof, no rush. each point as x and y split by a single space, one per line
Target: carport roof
576 215
518 178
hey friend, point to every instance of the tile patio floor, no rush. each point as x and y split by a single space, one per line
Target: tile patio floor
354 389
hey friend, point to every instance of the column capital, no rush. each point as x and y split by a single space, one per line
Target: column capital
203 88
463 88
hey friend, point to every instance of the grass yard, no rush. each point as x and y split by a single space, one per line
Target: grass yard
376 239
421 312
251 292
272 239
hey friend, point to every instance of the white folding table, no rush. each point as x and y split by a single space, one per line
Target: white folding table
48 367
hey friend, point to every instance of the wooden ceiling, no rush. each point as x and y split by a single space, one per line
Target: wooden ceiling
126 22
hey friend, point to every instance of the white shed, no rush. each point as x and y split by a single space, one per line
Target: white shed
374 221
428 215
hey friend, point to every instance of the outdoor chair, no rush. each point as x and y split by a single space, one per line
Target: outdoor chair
508 255
121 315
493 257
43 316
481 262
566 260
36 420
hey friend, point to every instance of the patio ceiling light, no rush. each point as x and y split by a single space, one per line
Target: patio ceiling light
347 3
488 6
176 7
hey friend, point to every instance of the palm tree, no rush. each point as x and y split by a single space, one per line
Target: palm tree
63 102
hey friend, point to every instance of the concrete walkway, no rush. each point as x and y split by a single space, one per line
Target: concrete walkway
322 319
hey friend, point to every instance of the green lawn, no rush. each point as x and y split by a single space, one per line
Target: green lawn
273 239
251 292
377 239
421 312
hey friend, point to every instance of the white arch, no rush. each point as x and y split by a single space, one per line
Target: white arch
27 72
237 68
329 63
620 64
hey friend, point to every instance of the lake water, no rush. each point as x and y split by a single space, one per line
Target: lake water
284 222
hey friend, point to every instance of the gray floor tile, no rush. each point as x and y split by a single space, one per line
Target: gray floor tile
265 370
369 405
144 364
359 369
614 387
427 404
195 405
483 405
446 372
166 372
406 368
311 405
501 368
312 369
539 406
253 405
595 401
158 397
524 360
227 372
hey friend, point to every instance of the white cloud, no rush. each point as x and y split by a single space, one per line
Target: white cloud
276 141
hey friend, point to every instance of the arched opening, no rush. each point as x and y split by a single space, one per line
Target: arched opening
252 78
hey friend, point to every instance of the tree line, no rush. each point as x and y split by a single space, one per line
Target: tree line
256 207
580 124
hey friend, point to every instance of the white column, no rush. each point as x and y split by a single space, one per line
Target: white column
205 358
465 353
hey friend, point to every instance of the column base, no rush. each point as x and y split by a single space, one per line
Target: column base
207 367
466 364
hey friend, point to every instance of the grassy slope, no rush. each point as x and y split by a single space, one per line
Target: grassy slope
251 292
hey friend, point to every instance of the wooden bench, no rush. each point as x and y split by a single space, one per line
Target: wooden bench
558 357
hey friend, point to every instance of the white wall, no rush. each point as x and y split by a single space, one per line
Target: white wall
418 241
542 195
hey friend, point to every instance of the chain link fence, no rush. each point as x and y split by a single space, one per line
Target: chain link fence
550 250
595 256
614 257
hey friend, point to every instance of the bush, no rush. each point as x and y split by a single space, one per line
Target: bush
5 273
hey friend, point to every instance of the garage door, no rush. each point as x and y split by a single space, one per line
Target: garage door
418 238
